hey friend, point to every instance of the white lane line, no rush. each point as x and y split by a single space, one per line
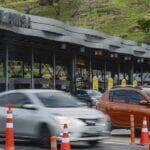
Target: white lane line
115 142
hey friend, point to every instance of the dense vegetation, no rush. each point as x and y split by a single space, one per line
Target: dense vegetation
129 19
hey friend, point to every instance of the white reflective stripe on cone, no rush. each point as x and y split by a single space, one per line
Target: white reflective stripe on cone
65 140
144 130
9 125
144 122
9 116
65 130
53 144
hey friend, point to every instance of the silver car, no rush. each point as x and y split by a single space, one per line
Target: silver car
39 114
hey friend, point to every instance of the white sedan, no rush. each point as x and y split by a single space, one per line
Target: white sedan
39 114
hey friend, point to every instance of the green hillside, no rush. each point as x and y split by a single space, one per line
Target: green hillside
115 17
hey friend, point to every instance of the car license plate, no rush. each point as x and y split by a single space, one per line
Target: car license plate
92 129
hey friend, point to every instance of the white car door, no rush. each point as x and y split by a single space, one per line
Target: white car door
24 123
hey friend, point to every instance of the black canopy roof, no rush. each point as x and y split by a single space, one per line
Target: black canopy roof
17 23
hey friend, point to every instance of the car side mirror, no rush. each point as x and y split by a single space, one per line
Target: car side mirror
30 106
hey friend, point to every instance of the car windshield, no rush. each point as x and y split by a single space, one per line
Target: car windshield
58 100
93 93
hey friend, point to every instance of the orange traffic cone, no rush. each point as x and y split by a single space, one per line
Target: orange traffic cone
9 139
144 139
65 143
53 143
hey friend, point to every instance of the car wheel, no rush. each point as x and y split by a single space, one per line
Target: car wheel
44 136
137 132
110 127
93 143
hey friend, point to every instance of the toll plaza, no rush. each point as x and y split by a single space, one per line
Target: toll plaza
38 52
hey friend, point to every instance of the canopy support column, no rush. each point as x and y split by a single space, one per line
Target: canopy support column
105 70
132 72
90 70
6 68
74 73
23 69
118 73
54 70
40 69
141 75
32 69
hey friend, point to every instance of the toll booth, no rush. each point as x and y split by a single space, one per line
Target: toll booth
39 52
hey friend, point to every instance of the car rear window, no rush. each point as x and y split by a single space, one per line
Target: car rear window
119 96
126 96
135 97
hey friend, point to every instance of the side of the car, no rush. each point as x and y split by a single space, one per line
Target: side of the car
120 103
28 123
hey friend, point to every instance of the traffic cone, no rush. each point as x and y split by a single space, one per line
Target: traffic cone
9 139
53 143
65 143
144 139
132 129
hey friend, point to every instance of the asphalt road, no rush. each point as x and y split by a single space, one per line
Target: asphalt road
113 143
102 147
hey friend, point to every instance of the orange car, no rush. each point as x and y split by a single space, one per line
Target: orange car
119 103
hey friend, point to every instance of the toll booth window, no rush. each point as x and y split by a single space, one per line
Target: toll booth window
120 96
135 97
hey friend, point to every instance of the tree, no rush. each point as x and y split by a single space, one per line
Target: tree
56 4
46 2
145 27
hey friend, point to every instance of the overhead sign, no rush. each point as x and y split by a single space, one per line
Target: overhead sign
80 62
95 83
99 53
14 19
110 83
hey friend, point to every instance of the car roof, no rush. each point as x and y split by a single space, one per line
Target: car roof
146 89
86 90
123 88
32 91
132 88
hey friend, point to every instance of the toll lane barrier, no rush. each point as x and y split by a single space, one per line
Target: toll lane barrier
65 140
53 143
65 143
144 137
9 139
132 134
